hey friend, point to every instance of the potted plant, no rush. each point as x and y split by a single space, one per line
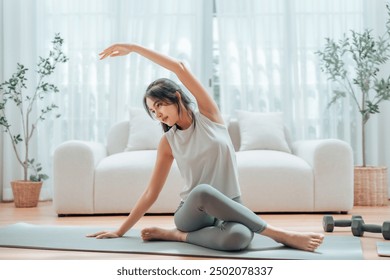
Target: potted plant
13 92
354 65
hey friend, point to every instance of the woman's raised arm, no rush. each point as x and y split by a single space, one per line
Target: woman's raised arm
206 103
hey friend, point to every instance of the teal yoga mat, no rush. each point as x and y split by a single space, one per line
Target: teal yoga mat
22 235
383 249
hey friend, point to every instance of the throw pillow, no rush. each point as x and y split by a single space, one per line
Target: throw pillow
144 132
262 131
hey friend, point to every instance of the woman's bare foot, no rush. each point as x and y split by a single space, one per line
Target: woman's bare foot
156 233
307 241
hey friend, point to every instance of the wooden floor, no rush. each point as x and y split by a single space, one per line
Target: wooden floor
45 215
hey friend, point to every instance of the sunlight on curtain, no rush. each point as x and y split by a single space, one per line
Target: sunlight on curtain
267 49
18 28
94 94
269 52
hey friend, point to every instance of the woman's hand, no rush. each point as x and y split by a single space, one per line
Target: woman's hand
104 234
116 50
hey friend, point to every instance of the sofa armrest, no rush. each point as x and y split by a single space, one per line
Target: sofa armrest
73 176
332 163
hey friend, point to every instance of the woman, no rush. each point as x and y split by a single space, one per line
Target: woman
211 213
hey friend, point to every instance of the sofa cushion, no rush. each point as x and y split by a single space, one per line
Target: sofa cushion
271 179
120 179
144 132
262 131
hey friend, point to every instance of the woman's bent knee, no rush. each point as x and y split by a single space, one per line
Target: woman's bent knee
236 237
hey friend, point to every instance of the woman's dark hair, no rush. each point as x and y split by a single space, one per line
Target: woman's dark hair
165 90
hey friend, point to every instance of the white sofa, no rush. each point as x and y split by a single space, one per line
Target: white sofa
96 178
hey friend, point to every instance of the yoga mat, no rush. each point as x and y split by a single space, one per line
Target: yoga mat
22 235
383 249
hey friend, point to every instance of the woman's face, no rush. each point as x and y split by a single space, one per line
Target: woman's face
165 113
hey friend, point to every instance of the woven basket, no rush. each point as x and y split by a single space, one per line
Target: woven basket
26 193
370 186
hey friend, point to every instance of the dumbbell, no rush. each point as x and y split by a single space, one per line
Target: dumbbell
328 223
358 228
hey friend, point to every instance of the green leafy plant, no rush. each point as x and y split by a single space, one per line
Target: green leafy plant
353 64
14 90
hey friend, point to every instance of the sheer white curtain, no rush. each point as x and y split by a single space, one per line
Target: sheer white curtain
18 27
94 94
267 51
268 63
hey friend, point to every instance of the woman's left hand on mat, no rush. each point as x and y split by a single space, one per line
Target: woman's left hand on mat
104 234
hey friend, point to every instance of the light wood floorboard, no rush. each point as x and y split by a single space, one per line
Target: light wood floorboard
44 214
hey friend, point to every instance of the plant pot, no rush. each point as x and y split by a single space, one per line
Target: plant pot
26 193
370 186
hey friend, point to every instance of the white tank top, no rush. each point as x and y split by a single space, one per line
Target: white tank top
205 154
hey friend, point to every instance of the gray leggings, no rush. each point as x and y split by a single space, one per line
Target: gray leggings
215 221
